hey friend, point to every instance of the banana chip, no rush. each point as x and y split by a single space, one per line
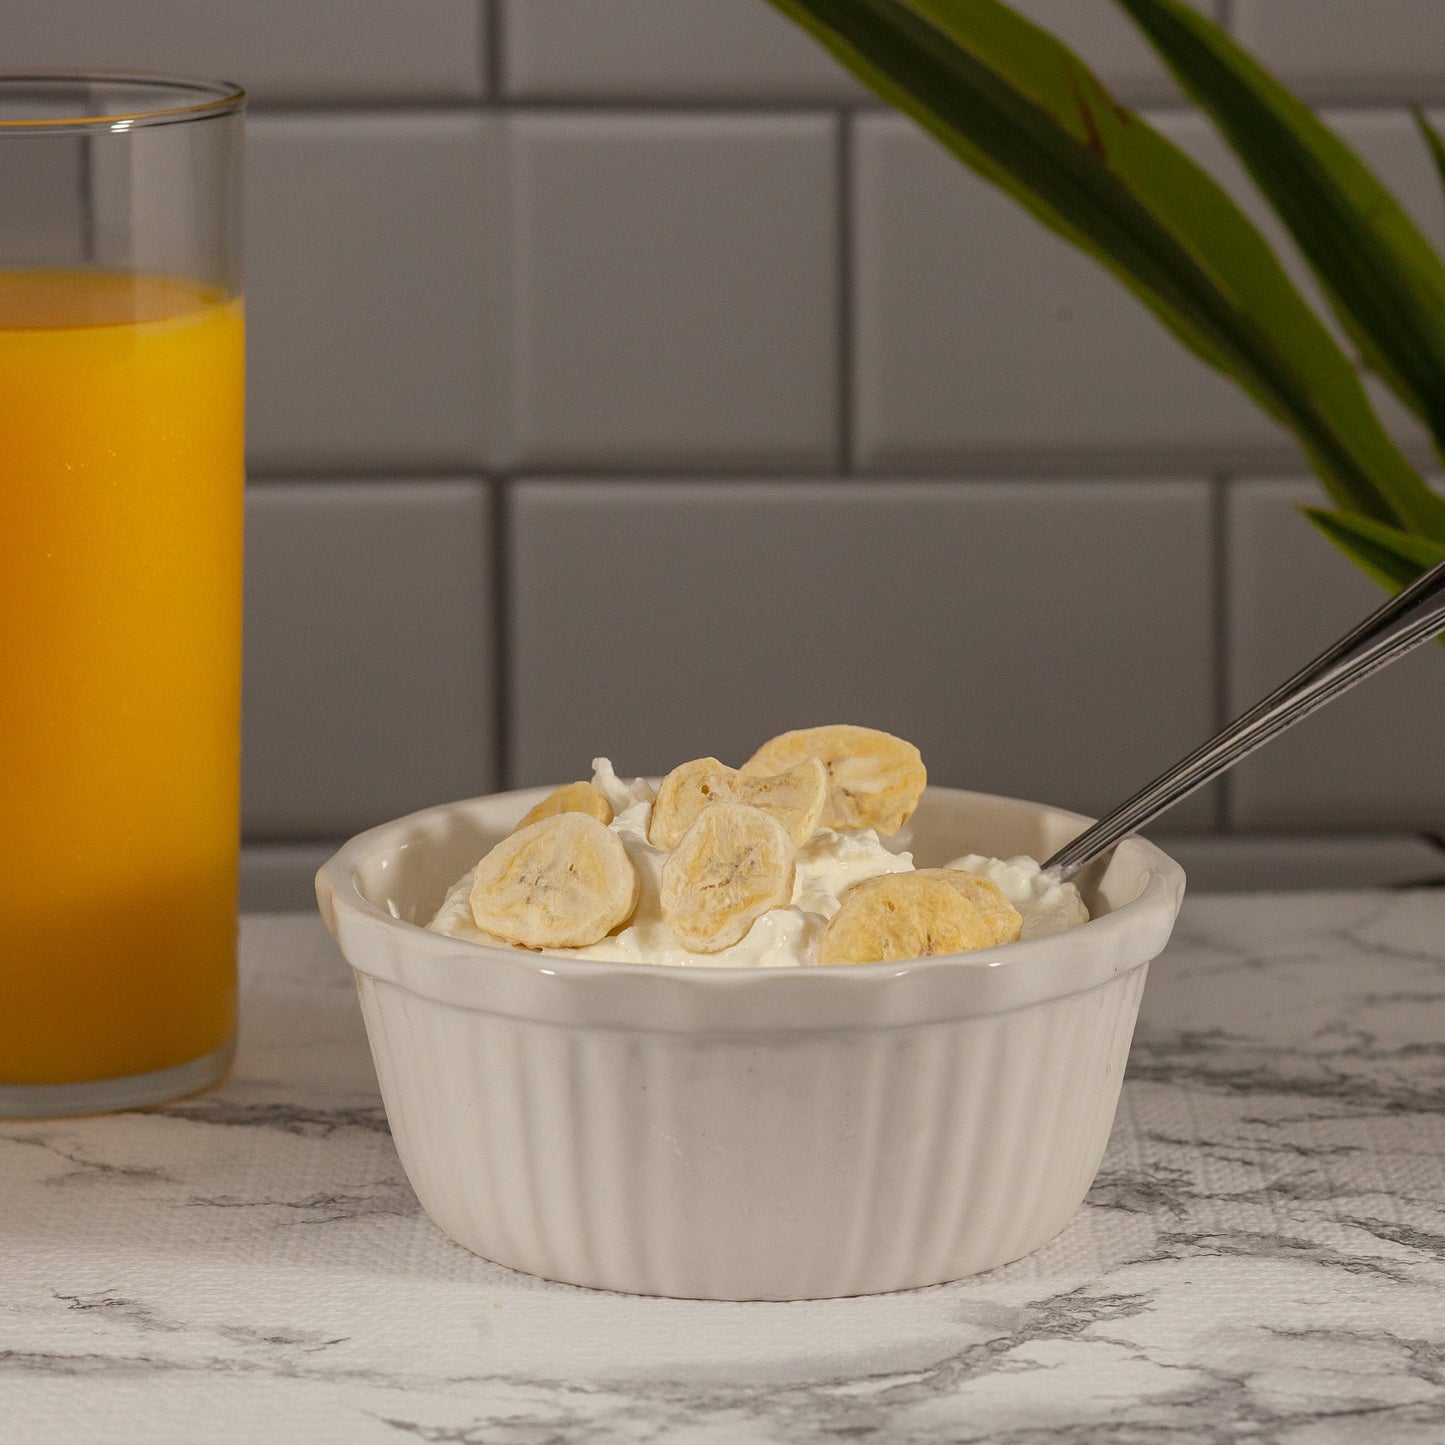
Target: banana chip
731 866
899 916
564 882
874 779
1004 921
570 798
795 798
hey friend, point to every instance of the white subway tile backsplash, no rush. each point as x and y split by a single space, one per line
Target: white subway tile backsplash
44 191
663 50
1102 35
642 257
746 50
1350 49
981 335
369 669
1050 640
1370 760
1388 142
373 293
322 50
1269 864
280 877
675 288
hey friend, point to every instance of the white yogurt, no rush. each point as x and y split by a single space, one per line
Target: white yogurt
1046 905
828 863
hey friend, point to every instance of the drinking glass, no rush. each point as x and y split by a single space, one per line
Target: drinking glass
121 471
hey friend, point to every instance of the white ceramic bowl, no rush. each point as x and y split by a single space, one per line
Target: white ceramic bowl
748 1133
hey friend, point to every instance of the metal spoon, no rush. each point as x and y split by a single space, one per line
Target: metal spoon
1411 617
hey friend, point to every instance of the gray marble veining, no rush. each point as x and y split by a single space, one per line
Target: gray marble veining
1262 1256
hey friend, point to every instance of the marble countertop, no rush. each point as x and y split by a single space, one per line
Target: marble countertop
1262 1256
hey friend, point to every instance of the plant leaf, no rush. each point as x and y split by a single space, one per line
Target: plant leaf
1390 556
1381 275
1432 140
1022 110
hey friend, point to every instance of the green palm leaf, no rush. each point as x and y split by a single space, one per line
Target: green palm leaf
1022 110
1382 277
1433 142
1391 556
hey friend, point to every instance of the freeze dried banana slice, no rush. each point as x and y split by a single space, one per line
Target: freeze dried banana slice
1005 922
874 779
564 882
570 798
901 915
795 798
730 867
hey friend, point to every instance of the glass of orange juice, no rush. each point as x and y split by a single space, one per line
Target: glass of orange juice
121 471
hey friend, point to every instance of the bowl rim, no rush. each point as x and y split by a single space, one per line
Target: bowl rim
1162 890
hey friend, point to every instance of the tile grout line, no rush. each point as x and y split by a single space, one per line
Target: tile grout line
1331 97
381 106
491 39
501 630
1026 468
843 350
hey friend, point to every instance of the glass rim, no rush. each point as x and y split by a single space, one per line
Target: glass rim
210 99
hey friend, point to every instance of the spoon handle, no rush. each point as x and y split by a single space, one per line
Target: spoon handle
1412 616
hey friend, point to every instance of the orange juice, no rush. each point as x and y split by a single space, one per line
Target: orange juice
120 634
